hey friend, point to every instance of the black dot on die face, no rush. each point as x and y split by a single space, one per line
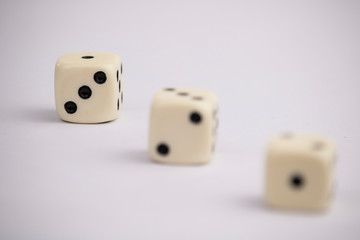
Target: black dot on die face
118 104
100 77
70 107
287 135
169 89
297 181
195 117
119 86
87 57
122 97
183 94
121 69
317 146
85 92
117 75
163 149
198 98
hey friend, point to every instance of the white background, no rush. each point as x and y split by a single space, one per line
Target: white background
275 65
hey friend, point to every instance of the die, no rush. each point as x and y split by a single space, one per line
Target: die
88 87
183 126
300 172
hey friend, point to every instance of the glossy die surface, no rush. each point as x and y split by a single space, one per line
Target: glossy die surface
88 87
299 172
183 125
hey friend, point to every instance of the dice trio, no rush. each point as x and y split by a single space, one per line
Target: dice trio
183 128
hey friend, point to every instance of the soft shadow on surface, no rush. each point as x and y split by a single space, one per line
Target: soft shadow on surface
40 115
50 116
253 202
133 156
258 203
142 157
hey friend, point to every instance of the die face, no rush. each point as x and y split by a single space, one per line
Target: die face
299 172
182 126
88 90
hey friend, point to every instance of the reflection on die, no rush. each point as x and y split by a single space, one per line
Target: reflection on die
183 126
88 87
299 172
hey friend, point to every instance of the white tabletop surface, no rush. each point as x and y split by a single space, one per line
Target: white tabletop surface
275 66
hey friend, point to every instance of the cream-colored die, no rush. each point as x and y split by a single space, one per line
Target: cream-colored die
299 172
88 87
183 125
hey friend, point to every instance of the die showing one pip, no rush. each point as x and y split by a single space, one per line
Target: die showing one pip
88 87
299 172
183 126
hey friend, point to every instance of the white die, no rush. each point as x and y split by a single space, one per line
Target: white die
299 172
88 87
183 125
